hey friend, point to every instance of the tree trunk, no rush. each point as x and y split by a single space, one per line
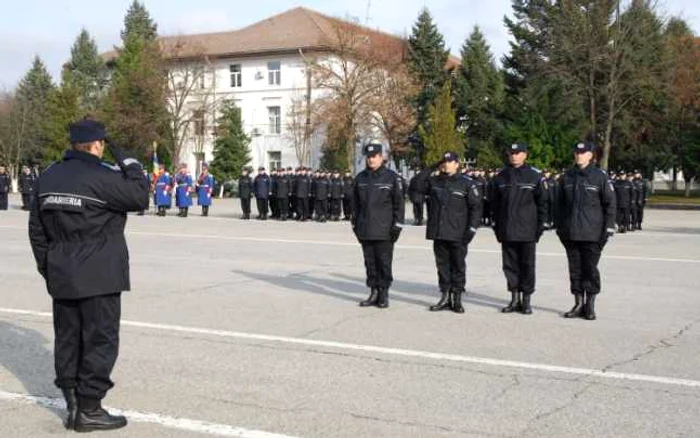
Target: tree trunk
688 185
674 181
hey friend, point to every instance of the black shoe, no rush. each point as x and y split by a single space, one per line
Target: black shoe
71 407
514 305
443 304
525 308
577 310
457 302
92 417
372 300
383 298
589 307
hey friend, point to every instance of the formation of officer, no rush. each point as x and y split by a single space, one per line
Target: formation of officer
631 195
79 215
378 200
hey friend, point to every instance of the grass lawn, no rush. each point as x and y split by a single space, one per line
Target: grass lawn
674 199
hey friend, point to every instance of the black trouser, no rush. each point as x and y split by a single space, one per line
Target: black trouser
321 209
274 207
302 208
335 207
245 206
283 207
26 201
87 343
3 201
634 216
451 261
623 217
312 206
418 211
262 207
640 217
519 266
292 206
347 207
378 256
583 266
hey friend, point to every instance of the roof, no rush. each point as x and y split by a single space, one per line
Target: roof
288 32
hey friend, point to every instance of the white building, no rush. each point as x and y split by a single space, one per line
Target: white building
262 69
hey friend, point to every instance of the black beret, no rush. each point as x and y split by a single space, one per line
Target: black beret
87 131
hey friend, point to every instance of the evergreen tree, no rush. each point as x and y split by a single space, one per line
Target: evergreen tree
231 148
63 109
479 95
32 101
87 71
441 135
135 109
427 58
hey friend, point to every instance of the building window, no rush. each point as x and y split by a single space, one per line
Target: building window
236 78
199 125
275 160
274 72
275 120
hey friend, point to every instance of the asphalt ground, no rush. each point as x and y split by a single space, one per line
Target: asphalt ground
252 329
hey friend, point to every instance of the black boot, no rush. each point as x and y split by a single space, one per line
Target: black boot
457 302
577 310
184 214
372 300
71 407
589 308
92 417
383 298
525 307
205 211
444 303
514 305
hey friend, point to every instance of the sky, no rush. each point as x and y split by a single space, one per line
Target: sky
48 28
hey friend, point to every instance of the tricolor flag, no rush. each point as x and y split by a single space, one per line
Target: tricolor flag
155 159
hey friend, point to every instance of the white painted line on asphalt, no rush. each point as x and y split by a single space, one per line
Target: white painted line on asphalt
395 351
355 244
197 426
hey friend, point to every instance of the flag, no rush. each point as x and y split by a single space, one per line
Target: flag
155 160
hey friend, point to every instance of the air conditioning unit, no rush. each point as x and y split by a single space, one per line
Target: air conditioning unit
255 132
259 75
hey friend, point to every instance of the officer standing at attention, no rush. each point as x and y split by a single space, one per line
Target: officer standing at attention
245 192
520 207
379 215
336 189
585 219
321 187
283 188
183 184
261 188
76 229
417 196
623 194
5 185
26 187
205 188
453 218
163 191
348 184
302 189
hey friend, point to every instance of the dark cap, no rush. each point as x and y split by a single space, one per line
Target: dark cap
87 131
517 147
584 147
450 156
372 149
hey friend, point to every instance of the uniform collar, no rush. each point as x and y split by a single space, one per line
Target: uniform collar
72 154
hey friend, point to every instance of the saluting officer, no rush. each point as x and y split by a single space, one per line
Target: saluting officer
245 192
453 218
76 229
377 222
205 188
585 220
520 206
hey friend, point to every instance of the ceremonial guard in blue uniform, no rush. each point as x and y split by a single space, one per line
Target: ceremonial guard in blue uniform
162 195
183 182
205 188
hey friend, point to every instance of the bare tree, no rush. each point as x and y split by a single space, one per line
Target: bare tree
302 122
14 126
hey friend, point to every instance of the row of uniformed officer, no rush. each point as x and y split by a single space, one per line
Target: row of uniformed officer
76 230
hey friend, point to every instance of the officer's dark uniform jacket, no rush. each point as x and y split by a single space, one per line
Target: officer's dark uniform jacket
76 226
26 183
5 183
321 188
336 188
245 187
585 208
302 186
519 204
261 186
283 188
415 189
454 207
623 193
379 204
348 184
